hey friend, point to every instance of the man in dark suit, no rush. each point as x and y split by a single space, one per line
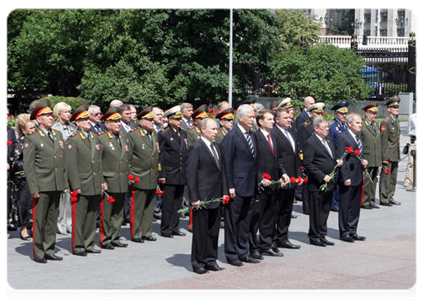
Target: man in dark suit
350 180
263 218
380 91
305 114
239 151
187 110
126 121
320 159
287 145
97 126
173 147
206 180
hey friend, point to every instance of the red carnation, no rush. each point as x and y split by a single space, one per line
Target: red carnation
74 196
131 177
299 179
137 179
305 180
74 193
111 199
349 149
9 143
357 152
293 180
226 199
159 192
266 176
387 171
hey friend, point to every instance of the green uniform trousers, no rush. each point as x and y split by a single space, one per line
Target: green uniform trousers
45 211
388 182
369 194
84 221
111 217
142 210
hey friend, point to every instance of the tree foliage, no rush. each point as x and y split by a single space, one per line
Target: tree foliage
327 73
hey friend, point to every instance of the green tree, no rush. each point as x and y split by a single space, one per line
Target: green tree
327 73
296 27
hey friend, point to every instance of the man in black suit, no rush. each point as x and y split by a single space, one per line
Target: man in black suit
305 114
350 180
287 145
239 151
380 91
263 218
206 180
97 126
126 121
319 160
173 148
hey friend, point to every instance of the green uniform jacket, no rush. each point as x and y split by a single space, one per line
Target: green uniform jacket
44 162
115 161
390 136
83 163
193 134
220 135
370 136
144 158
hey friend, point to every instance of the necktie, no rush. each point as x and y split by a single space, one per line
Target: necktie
118 139
250 142
97 128
216 157
270 143
360 145
50 136
325 143
289 140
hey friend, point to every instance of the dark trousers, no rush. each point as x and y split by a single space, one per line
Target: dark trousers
335 197
284 206
84 219
320 203
205 236
127 206
44 213
238 214
349 208
263 220
111 216
171 203
305 198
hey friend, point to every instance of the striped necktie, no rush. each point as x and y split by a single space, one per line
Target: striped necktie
250 142
360 145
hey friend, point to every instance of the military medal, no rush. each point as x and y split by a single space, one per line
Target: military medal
186 142
126 148
97 147
42 145
111 146
70 146
61 144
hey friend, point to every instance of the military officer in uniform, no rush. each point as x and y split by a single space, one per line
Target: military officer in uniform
194 131
83 165
144 164
226 120
115 172
304 132
44 166
390 136
372 151
336 127
173 148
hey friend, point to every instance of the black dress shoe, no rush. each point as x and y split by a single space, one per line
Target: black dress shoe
108 246
374 206
120 245
328 243
356 237
40 260
317 243
178 232
347 238
276 249
213 267
394 202
166 236
366 207
94 251
149 238
157 216
138 240
81 253
293 216
386 203
288 245
335 209
270 252
236 263
250 260
52 257
256 255
199 270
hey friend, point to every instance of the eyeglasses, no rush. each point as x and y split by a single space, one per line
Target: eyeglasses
98 114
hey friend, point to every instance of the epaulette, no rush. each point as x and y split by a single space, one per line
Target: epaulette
101 133
331 122
164 129
306 123
134 129
36 131
75 133
191 127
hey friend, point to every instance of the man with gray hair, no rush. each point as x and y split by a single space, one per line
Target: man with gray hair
97 125
115 103
187 110
239 148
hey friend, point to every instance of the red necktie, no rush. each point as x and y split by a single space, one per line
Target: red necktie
270 143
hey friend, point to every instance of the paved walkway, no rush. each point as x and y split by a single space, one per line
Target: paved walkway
384 266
